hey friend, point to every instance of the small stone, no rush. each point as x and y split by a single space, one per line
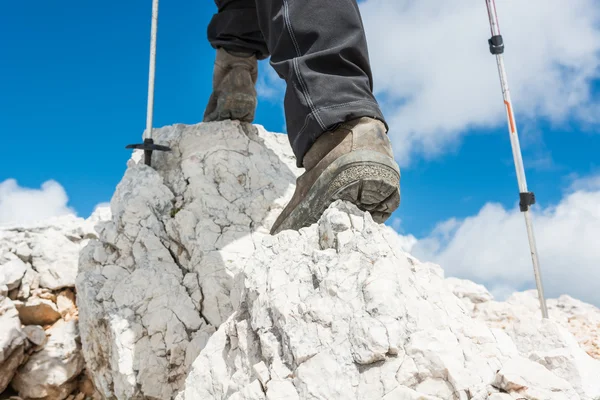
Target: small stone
471 291
55 257
29 282
12 341
531 379
23 251
262 373
9 366
51 373
36 311
11 273
86 386
45 294
36 334
66 304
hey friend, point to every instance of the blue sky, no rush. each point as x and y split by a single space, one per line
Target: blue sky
73 83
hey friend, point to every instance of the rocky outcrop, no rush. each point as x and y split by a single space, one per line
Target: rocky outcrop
40 350
185 295
157 284
580 319
338 311
560 344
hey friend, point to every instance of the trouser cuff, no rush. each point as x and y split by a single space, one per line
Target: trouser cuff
331 117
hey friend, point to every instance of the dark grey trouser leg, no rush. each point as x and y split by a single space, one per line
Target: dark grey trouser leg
319 48
235 27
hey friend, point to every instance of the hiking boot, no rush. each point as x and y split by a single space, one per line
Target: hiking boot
234 92
355 163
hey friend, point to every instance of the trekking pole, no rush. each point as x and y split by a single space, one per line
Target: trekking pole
526 198
148 146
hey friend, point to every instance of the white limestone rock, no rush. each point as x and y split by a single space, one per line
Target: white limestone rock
51 372
582 320
53 257
30 282
12 341
157 283
470 292
532 381
49 249
35 259
560 343
338 311
23 251
552 346
36 334
185 295
101 213
579 318
11 273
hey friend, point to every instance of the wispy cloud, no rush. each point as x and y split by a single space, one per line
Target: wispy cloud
492 247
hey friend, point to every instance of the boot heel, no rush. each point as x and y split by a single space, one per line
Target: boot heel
371 187
238 106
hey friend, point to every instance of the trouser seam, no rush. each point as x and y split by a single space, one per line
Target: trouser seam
347 104
288 24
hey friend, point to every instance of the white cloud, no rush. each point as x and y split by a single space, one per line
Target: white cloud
19 205
492 247
436 78
586 183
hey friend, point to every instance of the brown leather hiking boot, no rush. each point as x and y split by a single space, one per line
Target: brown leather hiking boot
234 92
355 163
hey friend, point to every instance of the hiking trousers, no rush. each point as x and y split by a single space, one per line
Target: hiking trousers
317 46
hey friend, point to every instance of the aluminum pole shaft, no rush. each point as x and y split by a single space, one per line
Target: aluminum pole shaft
150 110
518 159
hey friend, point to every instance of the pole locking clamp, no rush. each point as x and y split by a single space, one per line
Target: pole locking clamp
496 44
527 199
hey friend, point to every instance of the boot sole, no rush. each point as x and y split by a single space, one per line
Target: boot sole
368 179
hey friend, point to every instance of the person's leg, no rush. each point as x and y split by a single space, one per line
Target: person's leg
335 126
235 27
319 48
235 34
